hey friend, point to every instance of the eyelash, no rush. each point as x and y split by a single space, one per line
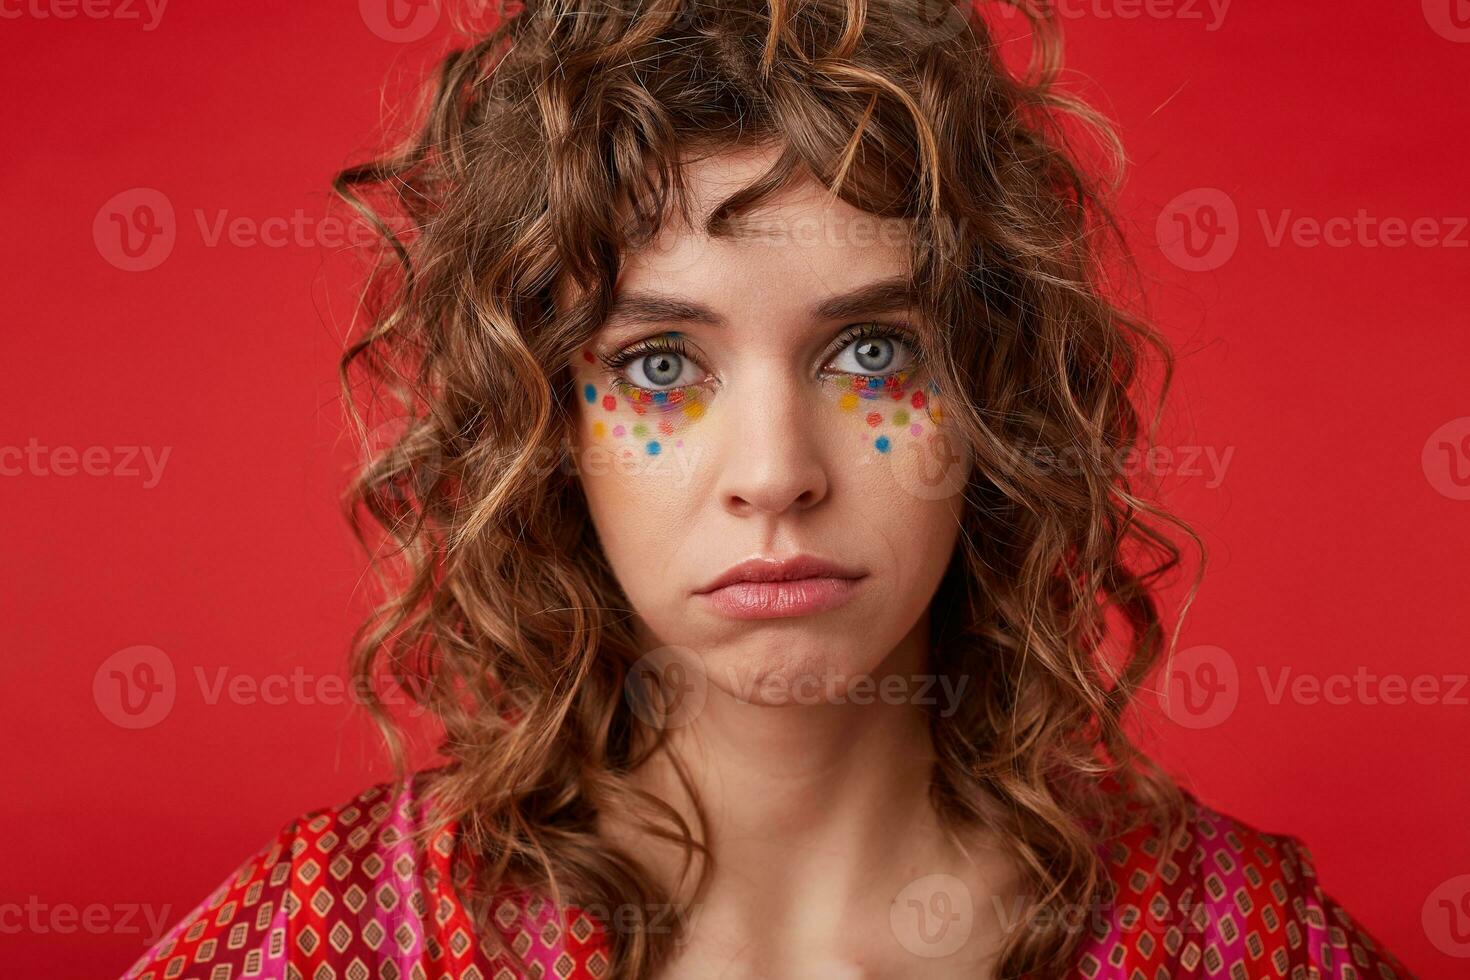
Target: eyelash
665 343
653 345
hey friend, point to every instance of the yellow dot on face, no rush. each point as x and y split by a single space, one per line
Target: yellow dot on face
937 414
598 430
847 402
694 409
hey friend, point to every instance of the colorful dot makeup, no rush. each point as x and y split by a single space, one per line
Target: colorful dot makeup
643 421
890 406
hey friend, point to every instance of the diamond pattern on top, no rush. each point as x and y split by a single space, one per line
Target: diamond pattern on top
1231 901
344 894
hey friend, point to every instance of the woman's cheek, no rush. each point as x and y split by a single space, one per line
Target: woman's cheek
637 424
898 420
890 412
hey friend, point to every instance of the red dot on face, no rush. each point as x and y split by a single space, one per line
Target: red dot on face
638 408
665 426
918 400
874 418
587 356
609 402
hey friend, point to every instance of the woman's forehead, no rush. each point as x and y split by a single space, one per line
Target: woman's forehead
800 241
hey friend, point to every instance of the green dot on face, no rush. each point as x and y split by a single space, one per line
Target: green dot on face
640 430
901 417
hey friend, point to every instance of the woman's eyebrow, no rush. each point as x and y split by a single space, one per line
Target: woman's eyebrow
881 296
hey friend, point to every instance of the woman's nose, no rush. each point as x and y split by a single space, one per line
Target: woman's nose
773 458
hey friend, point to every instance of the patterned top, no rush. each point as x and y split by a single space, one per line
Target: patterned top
330 898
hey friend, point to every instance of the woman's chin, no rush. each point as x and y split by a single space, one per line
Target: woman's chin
797 671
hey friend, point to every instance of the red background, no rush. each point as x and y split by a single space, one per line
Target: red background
1325 370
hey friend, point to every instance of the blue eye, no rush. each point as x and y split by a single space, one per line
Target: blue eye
661 371
875 352
657 364
664 363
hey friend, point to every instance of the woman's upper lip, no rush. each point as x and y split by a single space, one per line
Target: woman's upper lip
764 569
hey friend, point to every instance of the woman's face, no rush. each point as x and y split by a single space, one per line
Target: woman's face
744 400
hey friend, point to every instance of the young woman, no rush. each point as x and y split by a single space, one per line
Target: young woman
757 536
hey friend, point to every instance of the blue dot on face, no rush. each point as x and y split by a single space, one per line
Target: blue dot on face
654 448
659 397
882 444
590 393
874 382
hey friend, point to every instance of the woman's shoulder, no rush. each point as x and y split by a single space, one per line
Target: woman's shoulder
1224 897
364 887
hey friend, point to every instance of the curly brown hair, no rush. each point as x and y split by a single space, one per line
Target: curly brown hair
502 618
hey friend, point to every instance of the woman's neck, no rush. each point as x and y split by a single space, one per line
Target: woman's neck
818 816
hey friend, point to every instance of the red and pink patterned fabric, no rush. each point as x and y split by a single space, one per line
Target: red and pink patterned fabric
332 897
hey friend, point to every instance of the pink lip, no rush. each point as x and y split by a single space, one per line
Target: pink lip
769 588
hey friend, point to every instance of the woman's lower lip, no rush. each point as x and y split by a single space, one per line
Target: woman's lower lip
774 600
